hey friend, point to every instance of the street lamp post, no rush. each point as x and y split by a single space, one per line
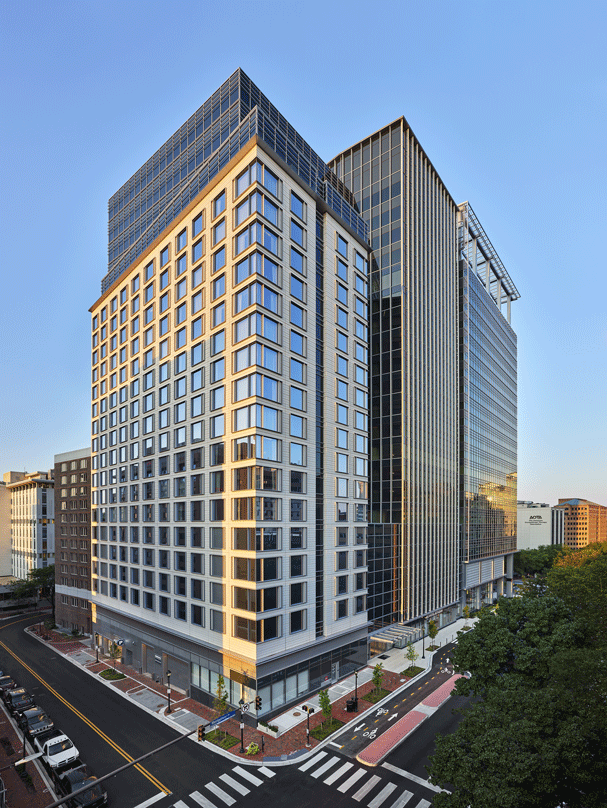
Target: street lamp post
308 710
424 640
97 646
356 691
241 704
169 690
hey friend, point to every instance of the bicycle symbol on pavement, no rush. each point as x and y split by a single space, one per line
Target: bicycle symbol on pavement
381 711
371 734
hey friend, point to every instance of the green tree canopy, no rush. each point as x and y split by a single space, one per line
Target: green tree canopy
537 561
534 733
39 582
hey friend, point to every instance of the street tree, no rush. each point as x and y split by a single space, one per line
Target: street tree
378 676
220 702
411 654
325 706
432 630
40 583
114 653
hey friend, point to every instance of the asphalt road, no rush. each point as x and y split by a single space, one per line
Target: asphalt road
363 732
109 729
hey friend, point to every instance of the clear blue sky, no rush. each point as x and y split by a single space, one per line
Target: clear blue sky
508 100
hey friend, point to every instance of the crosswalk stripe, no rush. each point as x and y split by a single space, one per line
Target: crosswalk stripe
351 780
402 800
382 796
180 804
423 804
202 801
247 775
219 792
336 775
327 765
229 781
268 772
309 763
362 792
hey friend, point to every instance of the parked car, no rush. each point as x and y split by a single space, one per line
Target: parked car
34 721
80 776
6 684
18 700
57 749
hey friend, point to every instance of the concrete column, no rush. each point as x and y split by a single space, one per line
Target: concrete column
509 574
499 294
509 299
488 275
500 587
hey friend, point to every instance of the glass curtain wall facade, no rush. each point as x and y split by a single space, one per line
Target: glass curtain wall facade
488 400
183 166
413 537
229 428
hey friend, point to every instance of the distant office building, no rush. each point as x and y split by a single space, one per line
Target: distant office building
230 411
73 540
584 522
538 525
6 566
443 384
32 521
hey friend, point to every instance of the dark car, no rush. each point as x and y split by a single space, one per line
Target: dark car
18 700
34 721
93 797
6 684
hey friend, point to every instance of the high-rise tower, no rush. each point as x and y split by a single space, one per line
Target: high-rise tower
440 344
230 411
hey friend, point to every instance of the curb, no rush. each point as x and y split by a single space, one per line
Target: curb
297 756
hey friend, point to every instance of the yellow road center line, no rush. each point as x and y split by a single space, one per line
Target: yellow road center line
87 721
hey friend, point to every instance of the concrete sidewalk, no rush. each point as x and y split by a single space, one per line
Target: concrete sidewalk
186 713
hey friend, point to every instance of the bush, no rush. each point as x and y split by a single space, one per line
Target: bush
373 696
323 731
218 739
112 675
411 671
252 749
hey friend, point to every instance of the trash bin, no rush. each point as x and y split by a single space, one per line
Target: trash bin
351 705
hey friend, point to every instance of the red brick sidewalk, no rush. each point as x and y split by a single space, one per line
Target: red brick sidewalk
19 793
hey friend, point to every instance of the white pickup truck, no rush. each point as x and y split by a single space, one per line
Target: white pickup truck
56 748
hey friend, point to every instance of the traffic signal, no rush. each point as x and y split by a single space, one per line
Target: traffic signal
258 703
201 732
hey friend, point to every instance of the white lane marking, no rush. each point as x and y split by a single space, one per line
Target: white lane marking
312 762
423 804
327 765
351 780
415 778
402 800
362 792
152 800
336 775
268 772
180 804
219 792
383 795
247 775
202 801
229 781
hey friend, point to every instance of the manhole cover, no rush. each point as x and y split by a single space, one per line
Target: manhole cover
383 656
296 715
